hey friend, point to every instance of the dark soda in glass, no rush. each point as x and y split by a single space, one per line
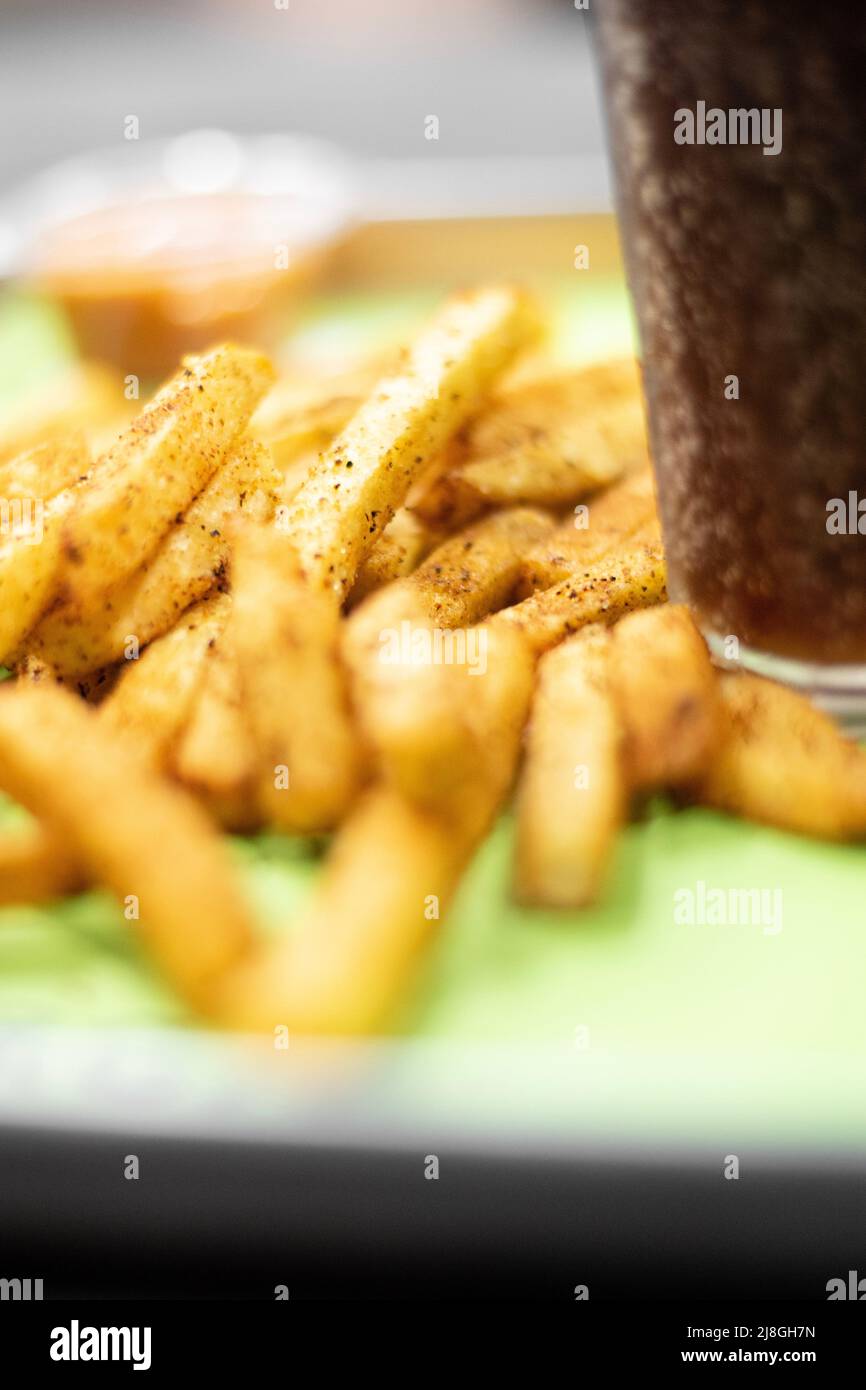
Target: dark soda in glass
738 133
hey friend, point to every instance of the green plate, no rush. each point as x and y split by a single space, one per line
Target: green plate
616 1021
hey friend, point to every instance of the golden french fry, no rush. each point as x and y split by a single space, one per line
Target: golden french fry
131 831
347 502
93 688
474 572
216 756
782 761
151 701
30 569
284 631
429 709
293 477
549 442
440 497
301 414
83 396
608 522
35 866
404 543
303 430
343 966
412 673
466 577
190 561
45 470
572 796
181 438
667 695
390 875
600 592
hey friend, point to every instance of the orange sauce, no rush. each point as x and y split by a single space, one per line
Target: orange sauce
146 281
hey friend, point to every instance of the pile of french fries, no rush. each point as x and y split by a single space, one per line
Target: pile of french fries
374 606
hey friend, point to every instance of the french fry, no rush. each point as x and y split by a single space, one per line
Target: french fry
294 475
181 437
83 396
439 496
411 672
35 866
130 830
189 562
47 469
343 966
438 712
404 543
622 513
466 577
301 414
493 724
299 429
572 796
390 876
284 630
667 695
30 570
93 688
601 592
785 763
151 701
343 507
216 756
474 572
550 442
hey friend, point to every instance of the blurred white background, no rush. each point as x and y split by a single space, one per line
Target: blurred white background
511 81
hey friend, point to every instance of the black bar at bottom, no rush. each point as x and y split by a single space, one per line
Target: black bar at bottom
166 1338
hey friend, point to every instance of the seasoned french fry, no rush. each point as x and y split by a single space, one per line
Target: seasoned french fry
608 522
301 415
190 561
466 577
344 964
404 543
131 831
84 396
473 573
344 506
93 688
294 476
601 592
35 866
572 797
550 442
46 469
440 707
216 756
181 437
390 876
152 700
439 496
284 630
412 674
784 762
301 429
30 570
667 695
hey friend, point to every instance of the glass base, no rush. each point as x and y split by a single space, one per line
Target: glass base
839 690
